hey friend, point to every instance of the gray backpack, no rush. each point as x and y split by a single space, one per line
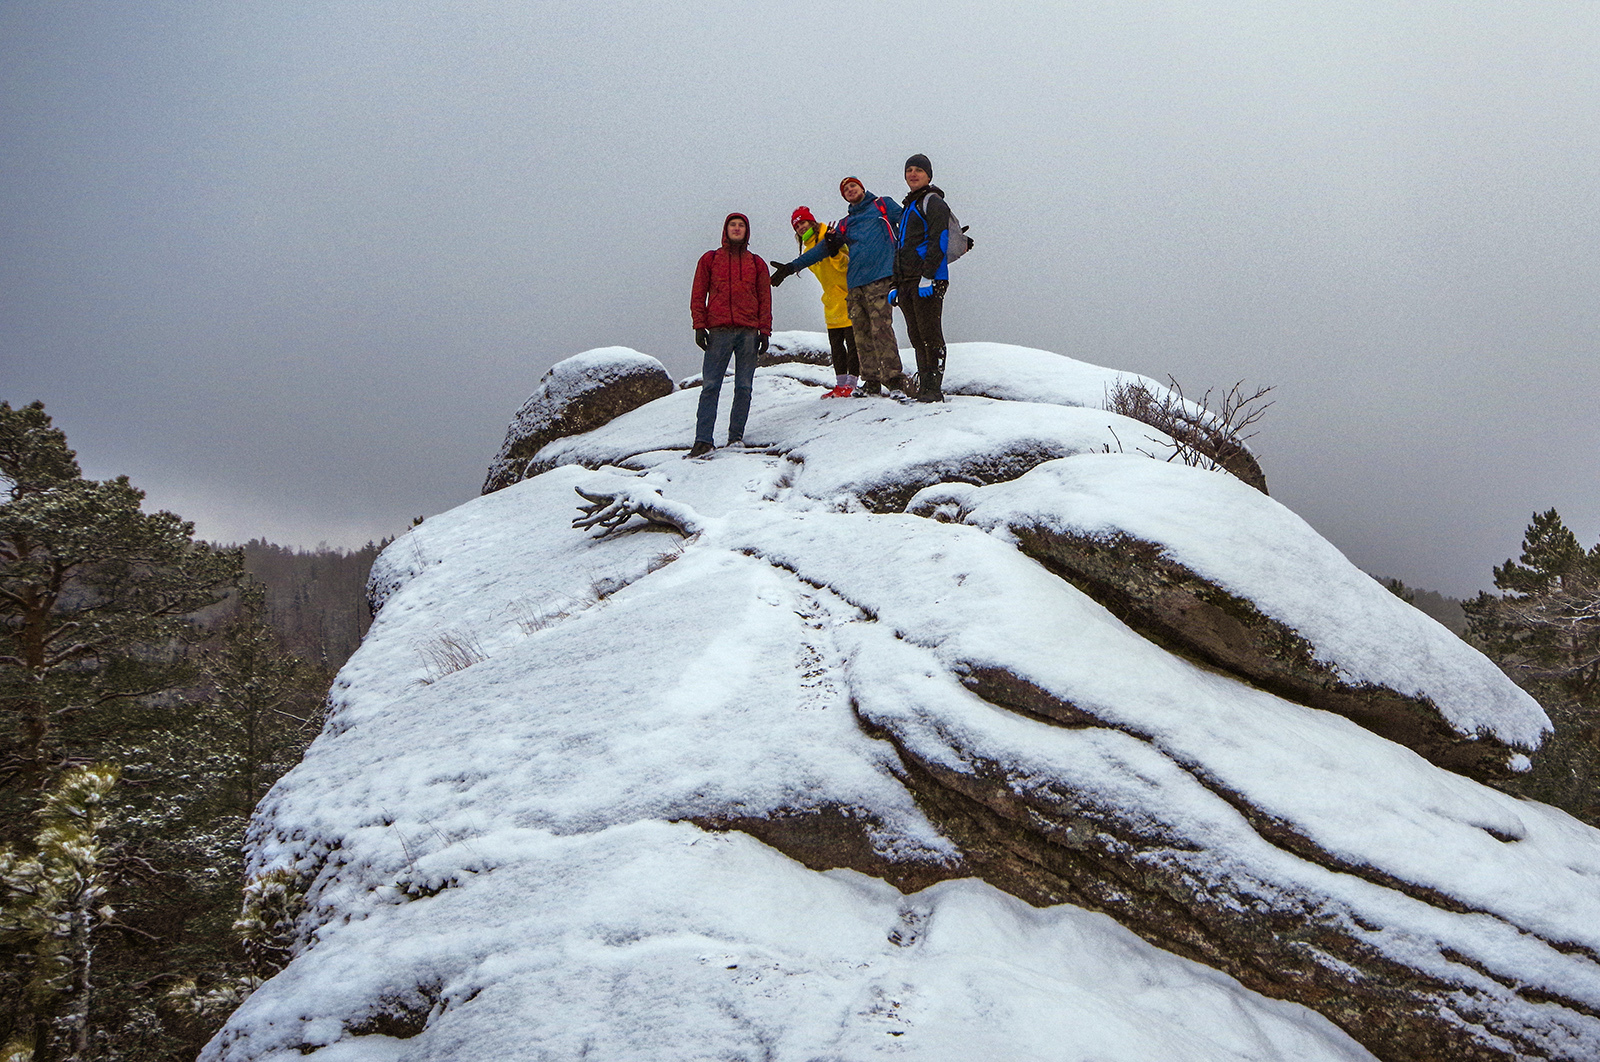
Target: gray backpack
957 242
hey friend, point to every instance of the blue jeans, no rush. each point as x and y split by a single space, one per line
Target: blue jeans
740 345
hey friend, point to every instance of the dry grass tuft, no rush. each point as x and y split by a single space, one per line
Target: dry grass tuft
449 652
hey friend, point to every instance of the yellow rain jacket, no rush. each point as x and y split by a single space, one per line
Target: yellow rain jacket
830 273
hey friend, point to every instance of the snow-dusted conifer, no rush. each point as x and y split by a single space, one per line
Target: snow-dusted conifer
1544 631
96 597
93 591
1551 559
51 905
265 700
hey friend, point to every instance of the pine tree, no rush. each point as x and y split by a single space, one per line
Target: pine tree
1544 631
50 910
265 702
124 640
264 707
93 591
96 604
195 764
1551 559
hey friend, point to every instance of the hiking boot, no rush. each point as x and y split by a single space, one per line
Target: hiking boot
932 389
735 444
838 392
898 395
871 388
699 449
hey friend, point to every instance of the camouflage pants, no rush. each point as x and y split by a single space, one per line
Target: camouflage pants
873 322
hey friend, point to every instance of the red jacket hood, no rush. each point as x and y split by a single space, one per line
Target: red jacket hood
729 244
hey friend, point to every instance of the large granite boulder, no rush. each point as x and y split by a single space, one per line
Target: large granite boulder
808 348
577 395
769 769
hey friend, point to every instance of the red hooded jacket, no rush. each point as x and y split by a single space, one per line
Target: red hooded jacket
732 288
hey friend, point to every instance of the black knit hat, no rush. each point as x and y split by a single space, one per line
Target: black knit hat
921 162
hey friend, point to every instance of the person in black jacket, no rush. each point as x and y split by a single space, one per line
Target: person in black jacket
921 274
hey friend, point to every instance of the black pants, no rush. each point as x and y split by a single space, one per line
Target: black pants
845 361
925 328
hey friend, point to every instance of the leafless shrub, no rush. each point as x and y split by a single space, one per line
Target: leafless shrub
1105 448
1203 435
450 651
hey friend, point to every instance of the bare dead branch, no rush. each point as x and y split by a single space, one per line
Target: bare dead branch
609 510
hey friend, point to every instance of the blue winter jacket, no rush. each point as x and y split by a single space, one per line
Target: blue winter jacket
870 230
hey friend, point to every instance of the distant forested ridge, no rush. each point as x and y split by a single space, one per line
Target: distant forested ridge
316 600
1447 610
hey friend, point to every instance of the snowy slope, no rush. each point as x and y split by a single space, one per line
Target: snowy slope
528 856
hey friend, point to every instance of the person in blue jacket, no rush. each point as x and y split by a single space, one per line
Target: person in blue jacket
870 231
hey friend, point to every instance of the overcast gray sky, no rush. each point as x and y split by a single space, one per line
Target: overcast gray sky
292 266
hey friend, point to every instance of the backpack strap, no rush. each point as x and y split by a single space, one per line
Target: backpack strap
883 212
915 207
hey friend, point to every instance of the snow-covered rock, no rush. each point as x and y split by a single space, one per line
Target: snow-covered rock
1002 370
811 348
773 769
576 395
846 454
1239 581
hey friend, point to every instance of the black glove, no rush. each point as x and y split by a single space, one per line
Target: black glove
782 272
761 344
702 338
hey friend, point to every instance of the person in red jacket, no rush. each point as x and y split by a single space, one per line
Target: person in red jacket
732 310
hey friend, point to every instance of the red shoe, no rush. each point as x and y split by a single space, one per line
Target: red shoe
838 392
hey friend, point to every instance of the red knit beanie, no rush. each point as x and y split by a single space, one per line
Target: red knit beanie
802 214
846 181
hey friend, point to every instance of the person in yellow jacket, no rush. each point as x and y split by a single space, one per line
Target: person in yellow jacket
830 272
